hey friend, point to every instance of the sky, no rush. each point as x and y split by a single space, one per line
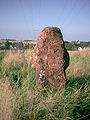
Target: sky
24 19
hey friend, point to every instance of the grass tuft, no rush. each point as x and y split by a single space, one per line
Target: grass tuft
22 98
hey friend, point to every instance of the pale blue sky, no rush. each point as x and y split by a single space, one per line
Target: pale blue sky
24 19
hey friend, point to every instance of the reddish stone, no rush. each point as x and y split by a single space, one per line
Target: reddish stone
50 58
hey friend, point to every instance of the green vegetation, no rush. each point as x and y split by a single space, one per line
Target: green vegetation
7 44
73 45
2 54
27 100
70 46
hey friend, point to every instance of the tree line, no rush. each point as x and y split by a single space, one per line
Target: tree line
73 45
16 45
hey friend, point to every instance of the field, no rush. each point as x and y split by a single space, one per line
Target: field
21 98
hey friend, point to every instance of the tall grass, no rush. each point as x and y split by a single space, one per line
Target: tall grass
79 63
25 99
7 101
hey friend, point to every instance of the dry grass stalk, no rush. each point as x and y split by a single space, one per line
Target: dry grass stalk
84 52
16 56
79 63
7 100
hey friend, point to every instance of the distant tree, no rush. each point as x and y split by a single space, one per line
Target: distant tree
70 45
7 44
74 46
84 44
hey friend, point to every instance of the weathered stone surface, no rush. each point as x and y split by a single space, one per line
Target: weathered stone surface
50 57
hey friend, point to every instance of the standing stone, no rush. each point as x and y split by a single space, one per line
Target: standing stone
50 58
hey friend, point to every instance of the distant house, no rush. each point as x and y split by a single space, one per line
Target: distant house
79 48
